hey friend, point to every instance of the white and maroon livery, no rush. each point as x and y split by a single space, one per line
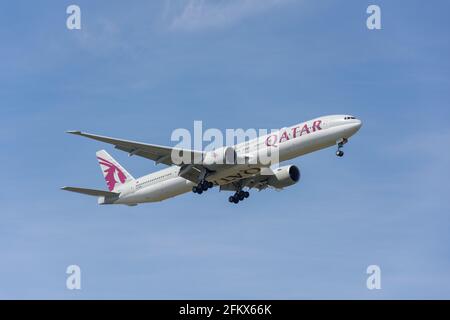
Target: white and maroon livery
229 175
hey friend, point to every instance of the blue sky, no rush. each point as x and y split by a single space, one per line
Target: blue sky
142 69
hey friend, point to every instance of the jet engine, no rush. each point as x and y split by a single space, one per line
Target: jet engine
284 177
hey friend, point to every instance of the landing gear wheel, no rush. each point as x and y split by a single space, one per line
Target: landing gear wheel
202 186
239 196
339 153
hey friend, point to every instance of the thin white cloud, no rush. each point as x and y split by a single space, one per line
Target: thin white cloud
193 15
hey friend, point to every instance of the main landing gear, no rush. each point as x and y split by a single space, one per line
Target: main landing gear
239 196
340 144
202 186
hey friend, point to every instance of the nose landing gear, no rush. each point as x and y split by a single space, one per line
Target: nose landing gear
340 144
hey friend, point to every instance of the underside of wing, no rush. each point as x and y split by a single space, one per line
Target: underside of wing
277 179
159 154
259 181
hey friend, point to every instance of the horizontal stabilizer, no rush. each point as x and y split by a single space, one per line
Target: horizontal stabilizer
91 192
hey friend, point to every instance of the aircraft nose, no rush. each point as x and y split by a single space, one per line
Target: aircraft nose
358 124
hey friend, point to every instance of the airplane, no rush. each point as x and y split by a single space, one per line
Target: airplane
229 175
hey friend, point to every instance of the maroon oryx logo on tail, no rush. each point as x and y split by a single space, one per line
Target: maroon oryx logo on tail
111 173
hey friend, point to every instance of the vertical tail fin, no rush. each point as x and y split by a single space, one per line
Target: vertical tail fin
114 174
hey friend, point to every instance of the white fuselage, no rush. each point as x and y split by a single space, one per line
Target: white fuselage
290 143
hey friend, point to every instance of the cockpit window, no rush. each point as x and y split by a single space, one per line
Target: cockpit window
348 118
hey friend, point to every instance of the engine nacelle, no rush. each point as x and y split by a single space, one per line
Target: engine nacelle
226 155
285 177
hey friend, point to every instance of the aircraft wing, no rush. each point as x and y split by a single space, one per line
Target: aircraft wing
159 154
91 192
258 181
